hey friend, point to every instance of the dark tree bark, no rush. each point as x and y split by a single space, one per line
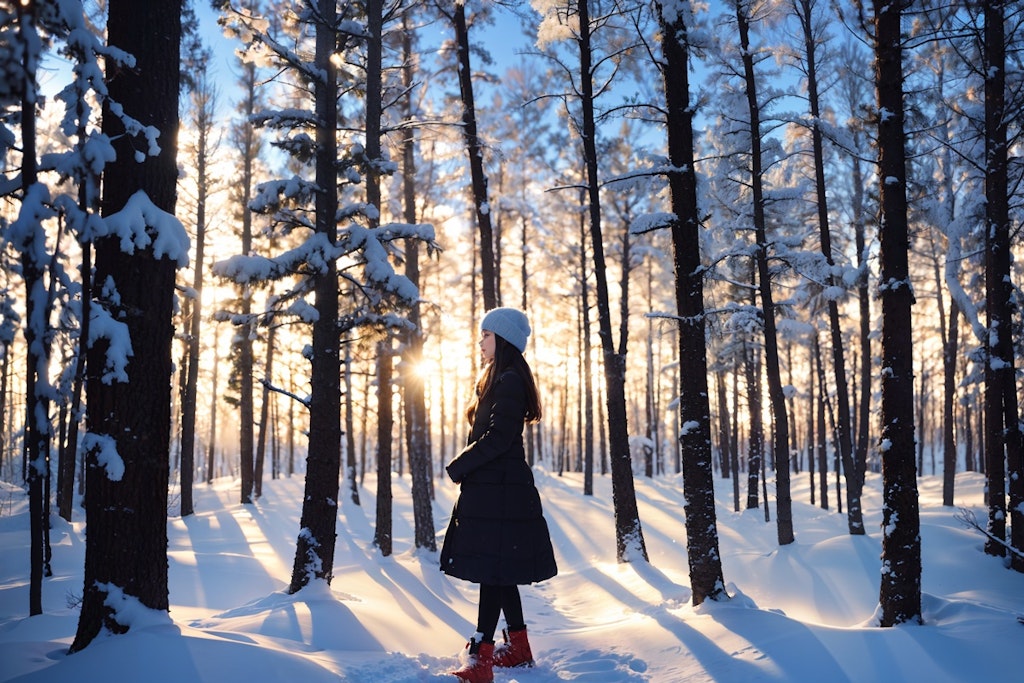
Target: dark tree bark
900 591
204 101
629 537
587 365
264 425
651 386
776 395
755 438
734 442
1003 436
476 160
247 145
351 469
822 430
812 409
88 201
38 430
724 428
385 424
950 348
854 484
949 331
5 374
417 427
852 89
126 512
211 445
706 579
314 553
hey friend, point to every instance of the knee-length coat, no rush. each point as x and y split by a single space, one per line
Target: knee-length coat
497 533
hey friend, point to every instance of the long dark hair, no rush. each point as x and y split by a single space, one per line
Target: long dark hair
507 357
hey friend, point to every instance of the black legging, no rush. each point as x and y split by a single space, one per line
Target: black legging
493 601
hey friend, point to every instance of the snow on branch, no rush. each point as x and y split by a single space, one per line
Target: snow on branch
103 447
141 224
312 255
22 233
649 222
302 400
275 194
967 518
102 325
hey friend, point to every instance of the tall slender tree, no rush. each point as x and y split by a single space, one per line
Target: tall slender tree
811 27
776 393
203 106
314 552
417 426
474 148
900 589
129 415
28 237
629 539
1003 435
706 579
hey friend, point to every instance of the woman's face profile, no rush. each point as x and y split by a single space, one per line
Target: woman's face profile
486 346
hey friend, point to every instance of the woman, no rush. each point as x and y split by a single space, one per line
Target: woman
497 536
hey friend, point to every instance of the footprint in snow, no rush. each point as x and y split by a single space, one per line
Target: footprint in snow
582 666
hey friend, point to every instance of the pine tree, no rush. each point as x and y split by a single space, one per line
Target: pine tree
706 579
900 592
776 396
129 406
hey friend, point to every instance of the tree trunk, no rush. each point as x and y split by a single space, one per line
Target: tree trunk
650 387
87 201
734 441
900 592
812 434
531 429
314 553
853 87
36 444
244 337
417 426
476 162
629 539
204 103
822 429
950 334
724 428
211 446
350 425
265 425
1003 436
385 424
776 395
5 373
588 372
949 352
755 438
854 486
129 419
706 579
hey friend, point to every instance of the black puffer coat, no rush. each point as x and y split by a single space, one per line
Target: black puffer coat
497 534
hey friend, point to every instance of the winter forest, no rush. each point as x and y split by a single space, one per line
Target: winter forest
764 246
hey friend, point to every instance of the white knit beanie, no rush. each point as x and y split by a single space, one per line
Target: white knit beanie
508 323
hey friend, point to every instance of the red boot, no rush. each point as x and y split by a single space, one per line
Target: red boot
479 667
515 651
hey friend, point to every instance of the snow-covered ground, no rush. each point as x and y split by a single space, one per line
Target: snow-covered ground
800 613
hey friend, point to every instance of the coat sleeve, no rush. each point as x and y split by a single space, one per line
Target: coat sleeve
504 428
